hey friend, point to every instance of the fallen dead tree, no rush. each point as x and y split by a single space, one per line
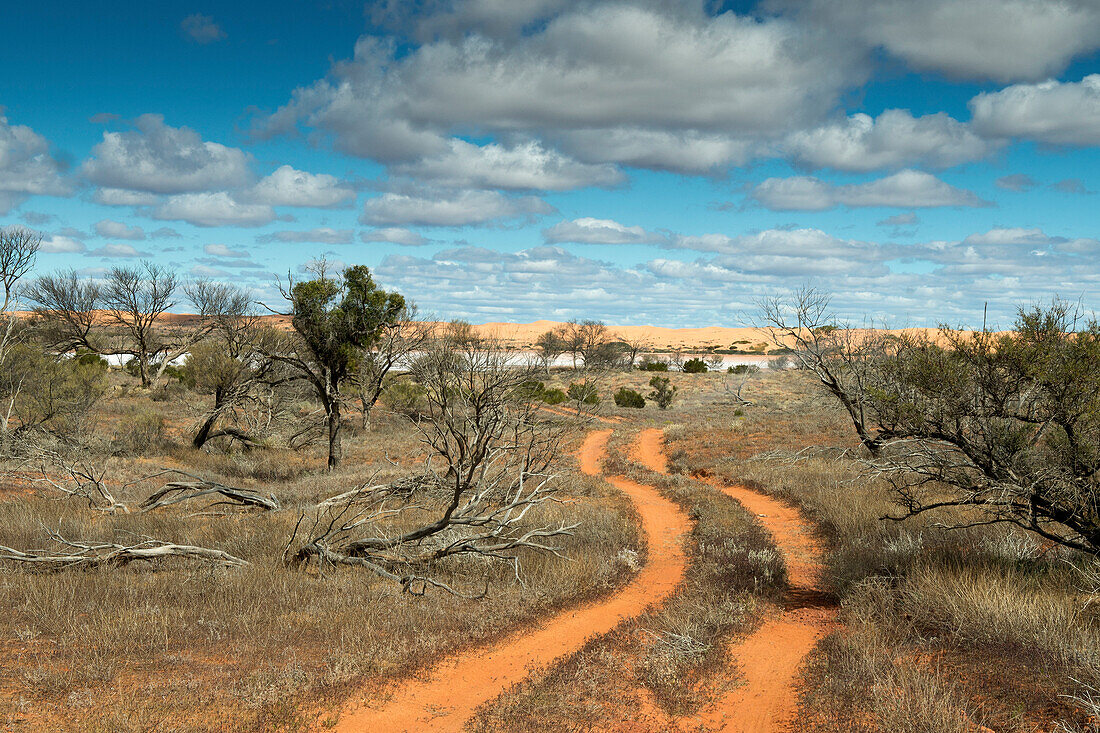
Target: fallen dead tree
77 479
78 555
176 492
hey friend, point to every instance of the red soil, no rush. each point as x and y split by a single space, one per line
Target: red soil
447 695
768 661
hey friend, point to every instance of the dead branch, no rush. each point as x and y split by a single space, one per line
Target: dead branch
176 492
72 554
84 480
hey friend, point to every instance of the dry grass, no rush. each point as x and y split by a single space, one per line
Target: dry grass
943 627
668 656
188 648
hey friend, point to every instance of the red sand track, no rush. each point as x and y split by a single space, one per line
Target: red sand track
448 694
769 660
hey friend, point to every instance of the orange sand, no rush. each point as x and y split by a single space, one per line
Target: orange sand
448 694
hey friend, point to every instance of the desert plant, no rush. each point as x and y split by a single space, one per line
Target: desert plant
625 397
649 364
42 392
695 366
554 396
583 393
139 433
334 320
404 396
663 392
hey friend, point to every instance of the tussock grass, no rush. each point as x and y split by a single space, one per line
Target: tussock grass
942 627
668 655
181 647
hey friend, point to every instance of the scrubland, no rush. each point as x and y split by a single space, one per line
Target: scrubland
939 629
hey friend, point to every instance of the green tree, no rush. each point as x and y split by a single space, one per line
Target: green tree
1005 426
626 397
663 392
335 319
695 366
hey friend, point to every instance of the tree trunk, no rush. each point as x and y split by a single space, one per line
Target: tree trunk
204 432
143 369
366 406
332 417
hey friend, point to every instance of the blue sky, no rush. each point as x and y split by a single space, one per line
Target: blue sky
639 161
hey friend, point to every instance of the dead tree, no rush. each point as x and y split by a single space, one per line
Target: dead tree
81 555
490 466
18 251
65 309
840 357
394 348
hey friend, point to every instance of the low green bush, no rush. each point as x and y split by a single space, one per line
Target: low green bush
663 392
652 365
626 397
584 393
695 366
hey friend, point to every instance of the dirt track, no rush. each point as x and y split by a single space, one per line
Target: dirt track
769 659
447 695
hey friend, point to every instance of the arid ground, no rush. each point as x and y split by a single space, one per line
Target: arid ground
730 571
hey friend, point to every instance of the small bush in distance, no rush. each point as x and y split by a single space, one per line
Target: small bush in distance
695 366
743 369
85 357
583 392
625 397
138 433
404 396
553 396
652 365
662 393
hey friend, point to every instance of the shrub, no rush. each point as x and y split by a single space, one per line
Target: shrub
779 362
404 396
743 369
625 397
652 365
662 393
584 393
695 366
553 396
90 358
138 433
41 391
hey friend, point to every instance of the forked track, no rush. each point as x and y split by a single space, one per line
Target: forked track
447 695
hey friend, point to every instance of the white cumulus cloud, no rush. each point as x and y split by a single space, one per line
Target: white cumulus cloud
904 189
158 158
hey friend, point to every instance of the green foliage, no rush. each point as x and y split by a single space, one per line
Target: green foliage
177 373
743 369
1007 423
404 396
584 393
663 392
625 397
49 393
90 358
652 365
210 369
336 318
553 396
695 366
